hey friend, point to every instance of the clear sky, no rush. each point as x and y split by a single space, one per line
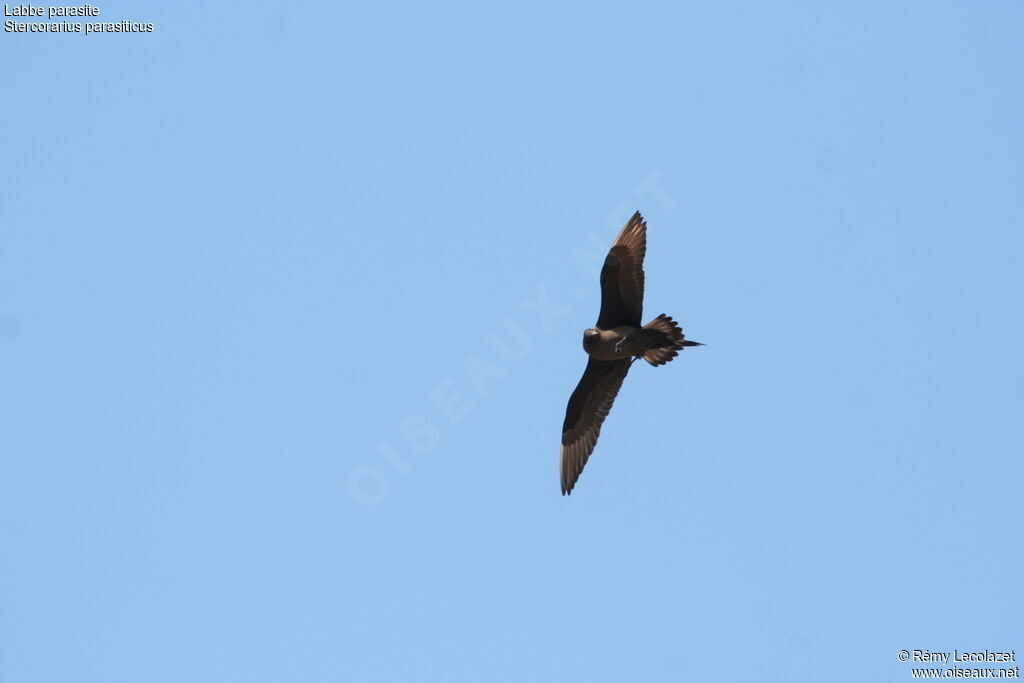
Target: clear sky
291 303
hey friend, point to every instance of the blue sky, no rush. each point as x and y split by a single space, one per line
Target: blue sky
291 301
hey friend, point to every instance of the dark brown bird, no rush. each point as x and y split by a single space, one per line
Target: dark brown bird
613 345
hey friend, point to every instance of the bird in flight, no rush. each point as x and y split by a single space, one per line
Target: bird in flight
613 345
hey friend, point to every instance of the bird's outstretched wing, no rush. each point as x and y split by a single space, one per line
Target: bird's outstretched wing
622 277
588 406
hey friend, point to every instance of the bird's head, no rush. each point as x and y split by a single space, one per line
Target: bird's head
591 337
590 332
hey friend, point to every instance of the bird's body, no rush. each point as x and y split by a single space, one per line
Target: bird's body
626 341
613 344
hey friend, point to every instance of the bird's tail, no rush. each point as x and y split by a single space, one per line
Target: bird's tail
666 340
